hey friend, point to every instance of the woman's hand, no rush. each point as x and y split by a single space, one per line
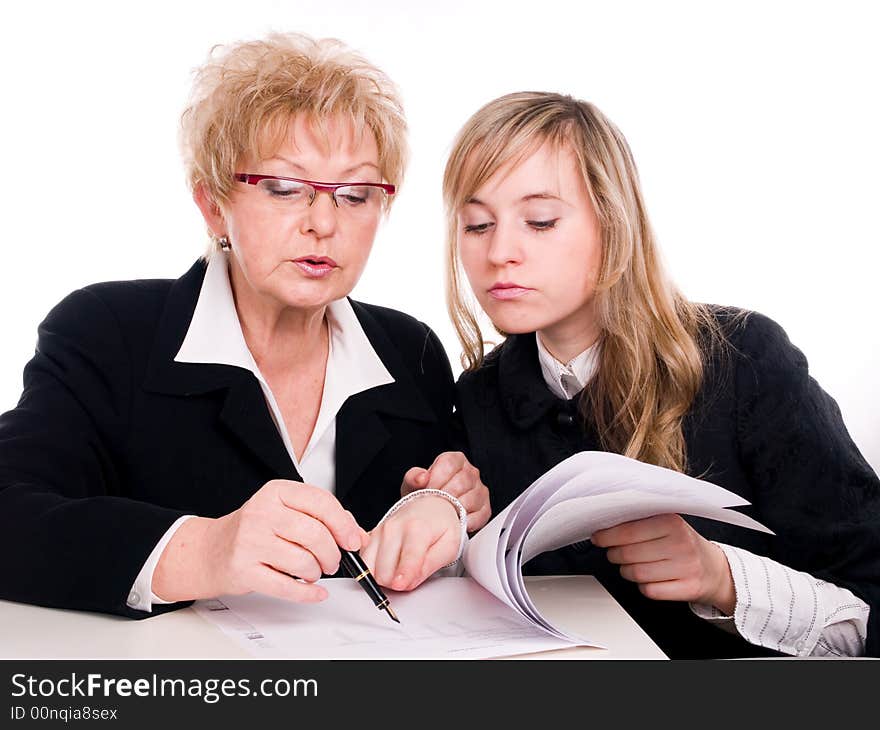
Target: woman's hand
670 561
412 544
451 472
286 530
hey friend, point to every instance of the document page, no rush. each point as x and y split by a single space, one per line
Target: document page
448 618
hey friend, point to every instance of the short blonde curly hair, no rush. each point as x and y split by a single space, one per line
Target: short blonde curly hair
245 94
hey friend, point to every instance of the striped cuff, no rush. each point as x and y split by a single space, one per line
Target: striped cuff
788 610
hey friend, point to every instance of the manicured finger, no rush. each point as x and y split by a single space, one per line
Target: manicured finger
272 583
325 508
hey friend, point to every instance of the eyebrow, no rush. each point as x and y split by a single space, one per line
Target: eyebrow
544 195
349 171
358 167
540 196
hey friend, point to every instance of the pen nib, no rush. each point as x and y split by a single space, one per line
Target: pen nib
391 613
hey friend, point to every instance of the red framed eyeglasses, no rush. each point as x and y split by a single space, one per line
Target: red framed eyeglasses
292 190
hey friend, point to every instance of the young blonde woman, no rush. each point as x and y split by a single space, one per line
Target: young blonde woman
601 351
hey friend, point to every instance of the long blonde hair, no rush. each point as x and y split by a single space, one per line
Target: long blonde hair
653 340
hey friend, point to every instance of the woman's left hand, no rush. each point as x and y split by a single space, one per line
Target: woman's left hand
413 543
670 561
451 472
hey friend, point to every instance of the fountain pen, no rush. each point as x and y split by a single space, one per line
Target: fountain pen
358 570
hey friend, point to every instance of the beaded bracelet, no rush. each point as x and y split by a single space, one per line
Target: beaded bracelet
462 514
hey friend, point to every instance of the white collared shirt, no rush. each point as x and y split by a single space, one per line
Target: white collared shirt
215 336
776 607
567 380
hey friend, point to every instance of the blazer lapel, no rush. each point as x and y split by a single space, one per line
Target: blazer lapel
244 412
246 415
361 432
360 435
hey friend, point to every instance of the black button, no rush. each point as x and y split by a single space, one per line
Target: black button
563 418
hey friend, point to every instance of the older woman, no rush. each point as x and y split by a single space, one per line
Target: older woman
547 221
229 431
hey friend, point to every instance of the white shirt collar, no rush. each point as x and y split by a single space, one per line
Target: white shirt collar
567 380
215 336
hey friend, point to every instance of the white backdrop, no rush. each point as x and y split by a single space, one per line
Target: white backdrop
754 127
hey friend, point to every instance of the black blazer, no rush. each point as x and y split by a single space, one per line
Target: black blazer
112 440
760 427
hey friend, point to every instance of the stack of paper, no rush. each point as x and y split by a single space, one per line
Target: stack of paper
489 613
589 491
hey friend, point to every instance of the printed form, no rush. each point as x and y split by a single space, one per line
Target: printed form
452 618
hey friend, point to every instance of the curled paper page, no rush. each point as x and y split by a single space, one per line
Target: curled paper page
589 491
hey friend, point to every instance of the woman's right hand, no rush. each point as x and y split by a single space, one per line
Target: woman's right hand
452 472
286 530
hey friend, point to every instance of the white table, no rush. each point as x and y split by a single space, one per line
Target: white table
33 632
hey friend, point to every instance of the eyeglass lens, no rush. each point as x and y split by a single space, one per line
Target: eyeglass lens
362 198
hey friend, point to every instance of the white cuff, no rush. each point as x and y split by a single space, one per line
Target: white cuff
141 596
793 622
715 617
789 610
462 514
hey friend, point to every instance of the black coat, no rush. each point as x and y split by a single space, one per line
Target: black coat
112 440
760 427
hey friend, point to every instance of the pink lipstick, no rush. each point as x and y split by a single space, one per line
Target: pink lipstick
316 267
